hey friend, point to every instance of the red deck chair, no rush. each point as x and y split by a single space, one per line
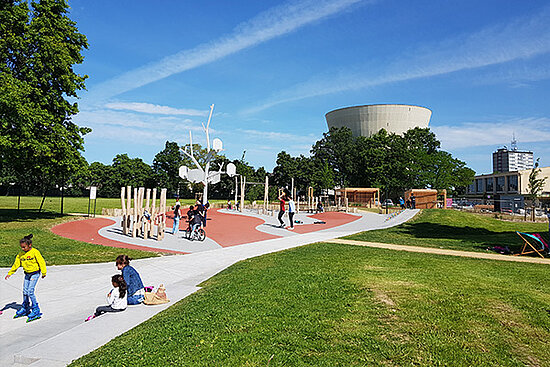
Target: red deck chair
536 244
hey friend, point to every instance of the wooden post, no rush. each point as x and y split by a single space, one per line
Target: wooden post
134 219
124 223
243 189
128 207
266 194
162 224
141 194
236 191
153 212
147 226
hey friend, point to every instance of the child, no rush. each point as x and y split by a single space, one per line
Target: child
136 291
33 264
116 298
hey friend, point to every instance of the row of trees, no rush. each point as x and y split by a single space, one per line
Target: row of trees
391 162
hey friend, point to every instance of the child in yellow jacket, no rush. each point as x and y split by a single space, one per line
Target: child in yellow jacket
33 264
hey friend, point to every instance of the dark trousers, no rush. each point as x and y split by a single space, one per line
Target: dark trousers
281 213
291 217
102 309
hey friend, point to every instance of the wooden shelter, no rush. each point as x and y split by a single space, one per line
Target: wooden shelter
428 198
366 196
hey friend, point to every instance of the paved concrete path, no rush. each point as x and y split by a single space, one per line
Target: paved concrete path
71 293
439 251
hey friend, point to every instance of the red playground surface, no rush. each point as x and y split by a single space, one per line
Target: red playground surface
86 231
223 228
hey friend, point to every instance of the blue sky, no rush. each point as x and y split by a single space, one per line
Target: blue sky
273 69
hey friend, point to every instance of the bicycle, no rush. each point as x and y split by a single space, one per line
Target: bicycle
199 235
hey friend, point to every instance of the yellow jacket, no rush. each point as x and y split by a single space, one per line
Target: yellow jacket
31 261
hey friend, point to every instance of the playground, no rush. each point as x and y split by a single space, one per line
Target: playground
232 236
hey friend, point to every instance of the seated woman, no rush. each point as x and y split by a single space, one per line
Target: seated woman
136 291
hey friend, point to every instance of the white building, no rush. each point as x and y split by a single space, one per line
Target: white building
505 160
369 119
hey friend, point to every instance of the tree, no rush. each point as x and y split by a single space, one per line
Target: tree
166 169
38 47
535 186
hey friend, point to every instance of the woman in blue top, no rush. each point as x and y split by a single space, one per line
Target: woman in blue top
136 292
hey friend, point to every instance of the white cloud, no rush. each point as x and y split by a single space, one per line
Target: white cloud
522 39
145 129
270 24
154 109
474 134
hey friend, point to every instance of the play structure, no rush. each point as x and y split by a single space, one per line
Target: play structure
427 198
202 173
533 243
364 196
141 220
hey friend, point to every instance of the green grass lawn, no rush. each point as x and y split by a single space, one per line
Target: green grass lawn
55 249
455 230
72 204
338 305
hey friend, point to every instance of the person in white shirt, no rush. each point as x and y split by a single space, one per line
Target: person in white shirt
291 211
117 298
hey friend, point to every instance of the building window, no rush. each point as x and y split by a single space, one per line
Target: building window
513 183
489 184
500 183
479 185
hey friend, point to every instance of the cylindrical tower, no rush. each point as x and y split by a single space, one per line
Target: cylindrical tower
369 119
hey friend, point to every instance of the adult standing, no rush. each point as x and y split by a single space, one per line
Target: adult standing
177 215
282 204
413 201
136 291
291 211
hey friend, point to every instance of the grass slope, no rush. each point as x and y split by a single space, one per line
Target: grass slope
455 230
55 249
338 305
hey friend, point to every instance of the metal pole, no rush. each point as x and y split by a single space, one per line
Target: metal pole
62 194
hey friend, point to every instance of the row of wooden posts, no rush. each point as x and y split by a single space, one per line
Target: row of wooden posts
134 220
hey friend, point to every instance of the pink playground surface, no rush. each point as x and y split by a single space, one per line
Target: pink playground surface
226 229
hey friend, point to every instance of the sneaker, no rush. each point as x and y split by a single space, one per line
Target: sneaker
291 228
90 317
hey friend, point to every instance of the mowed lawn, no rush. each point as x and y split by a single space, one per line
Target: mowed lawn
452 229
72 204
339 305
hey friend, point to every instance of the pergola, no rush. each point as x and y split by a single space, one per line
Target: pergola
428 198
361 195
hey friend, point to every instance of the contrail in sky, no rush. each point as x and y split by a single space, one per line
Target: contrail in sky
522 39
270 24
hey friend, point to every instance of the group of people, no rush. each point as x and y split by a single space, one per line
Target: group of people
283 199
127 286
409 204
196 215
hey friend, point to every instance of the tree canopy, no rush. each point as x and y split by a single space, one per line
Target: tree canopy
39 45
388 161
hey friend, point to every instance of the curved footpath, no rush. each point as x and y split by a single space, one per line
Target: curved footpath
70 293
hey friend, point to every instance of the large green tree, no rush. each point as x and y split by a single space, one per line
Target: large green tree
391 162
39 45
